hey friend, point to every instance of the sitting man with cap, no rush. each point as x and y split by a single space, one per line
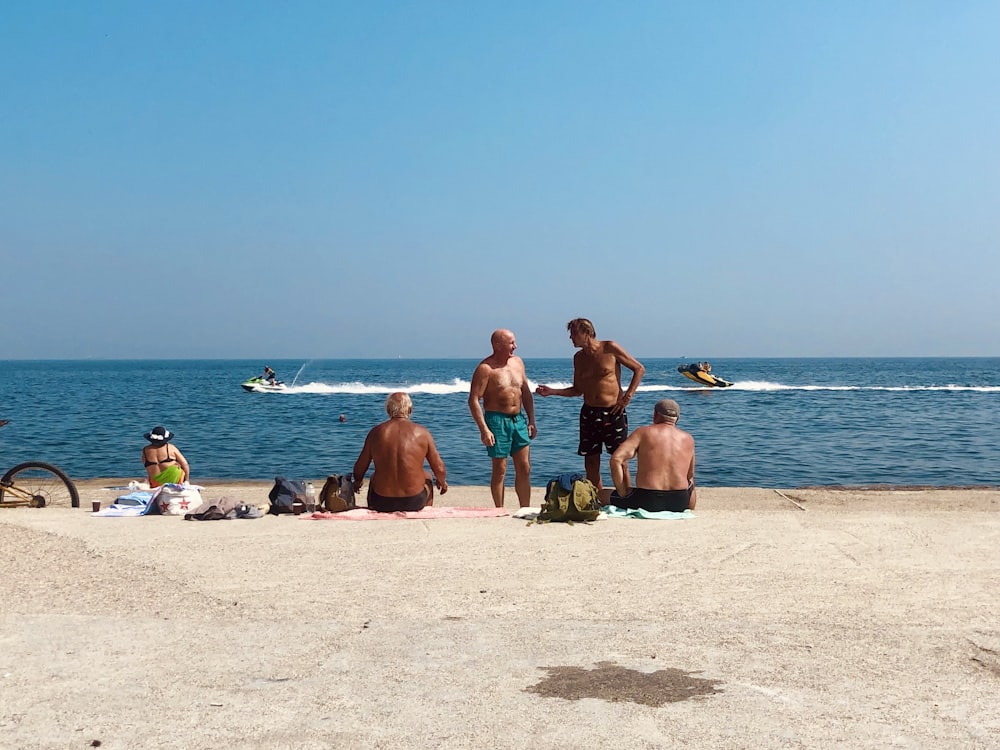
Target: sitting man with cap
664 477
399 448
164 463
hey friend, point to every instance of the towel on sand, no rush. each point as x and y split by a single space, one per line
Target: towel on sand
433 511
614 511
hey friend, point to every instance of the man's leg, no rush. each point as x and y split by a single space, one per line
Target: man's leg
497 477
522 476
592 464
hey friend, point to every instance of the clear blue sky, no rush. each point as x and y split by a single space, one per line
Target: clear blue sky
367 179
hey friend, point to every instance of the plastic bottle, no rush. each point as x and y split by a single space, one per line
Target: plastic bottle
310 497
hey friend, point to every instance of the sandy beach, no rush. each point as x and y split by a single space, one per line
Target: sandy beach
787 619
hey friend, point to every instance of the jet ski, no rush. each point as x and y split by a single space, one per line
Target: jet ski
695 372
259 385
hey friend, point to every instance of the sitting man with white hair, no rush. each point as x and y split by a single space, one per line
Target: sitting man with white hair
399 449
664 477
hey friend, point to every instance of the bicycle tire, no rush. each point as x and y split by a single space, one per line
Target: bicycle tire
47 483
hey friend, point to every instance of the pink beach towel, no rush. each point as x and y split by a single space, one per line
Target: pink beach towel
434 511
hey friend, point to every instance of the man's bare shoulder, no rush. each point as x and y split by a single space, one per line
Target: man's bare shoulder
487 364
612 347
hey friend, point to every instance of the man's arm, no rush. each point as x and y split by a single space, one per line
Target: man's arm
362 464
436 463
626 360
544 390
693 497
625 453
480 379
528 402
572 391
182 462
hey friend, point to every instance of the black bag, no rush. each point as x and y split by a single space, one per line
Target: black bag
284 493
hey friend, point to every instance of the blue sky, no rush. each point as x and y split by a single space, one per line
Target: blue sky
369 179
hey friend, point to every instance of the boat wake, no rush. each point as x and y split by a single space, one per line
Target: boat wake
459 385
765 386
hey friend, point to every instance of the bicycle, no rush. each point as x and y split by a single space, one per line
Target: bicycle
36 484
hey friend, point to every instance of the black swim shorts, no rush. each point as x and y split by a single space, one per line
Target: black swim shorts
411 504
598 425
675 501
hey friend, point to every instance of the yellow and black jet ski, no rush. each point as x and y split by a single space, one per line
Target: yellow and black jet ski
696 372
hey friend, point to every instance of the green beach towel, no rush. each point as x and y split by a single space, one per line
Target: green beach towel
614 511
170 475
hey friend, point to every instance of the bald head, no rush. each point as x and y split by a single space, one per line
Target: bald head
503 342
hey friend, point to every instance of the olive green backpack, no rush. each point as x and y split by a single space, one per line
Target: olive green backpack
570 498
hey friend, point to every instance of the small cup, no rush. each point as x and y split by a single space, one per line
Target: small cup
95 506
298 508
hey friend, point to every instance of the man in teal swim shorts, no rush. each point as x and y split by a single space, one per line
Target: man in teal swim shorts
501 384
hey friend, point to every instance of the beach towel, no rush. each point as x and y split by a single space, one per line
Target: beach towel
429 512
133 504
170 475
121 511
614 511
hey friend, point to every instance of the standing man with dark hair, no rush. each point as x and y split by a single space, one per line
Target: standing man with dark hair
597 376
500 383
664 478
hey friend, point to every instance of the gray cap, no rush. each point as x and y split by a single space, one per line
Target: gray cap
668 408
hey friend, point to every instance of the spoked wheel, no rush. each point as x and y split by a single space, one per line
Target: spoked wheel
47 484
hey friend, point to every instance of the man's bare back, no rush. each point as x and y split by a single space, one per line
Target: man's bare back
399 448
666 455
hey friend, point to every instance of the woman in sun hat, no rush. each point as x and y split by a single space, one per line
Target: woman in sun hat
164 463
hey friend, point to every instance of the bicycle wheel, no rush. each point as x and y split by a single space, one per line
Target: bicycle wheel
47 484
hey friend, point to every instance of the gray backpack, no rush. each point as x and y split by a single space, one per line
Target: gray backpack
285 493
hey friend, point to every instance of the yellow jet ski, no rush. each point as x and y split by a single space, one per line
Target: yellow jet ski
697 372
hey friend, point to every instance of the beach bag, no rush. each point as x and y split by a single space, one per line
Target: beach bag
284 493
570 498
337 494
176 499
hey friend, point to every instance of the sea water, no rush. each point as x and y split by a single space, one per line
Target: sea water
783 423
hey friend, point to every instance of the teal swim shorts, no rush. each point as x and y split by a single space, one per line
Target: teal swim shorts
510 431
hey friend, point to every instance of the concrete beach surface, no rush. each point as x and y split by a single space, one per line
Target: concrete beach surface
792 618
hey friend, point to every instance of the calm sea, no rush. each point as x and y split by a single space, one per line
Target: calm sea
784 423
